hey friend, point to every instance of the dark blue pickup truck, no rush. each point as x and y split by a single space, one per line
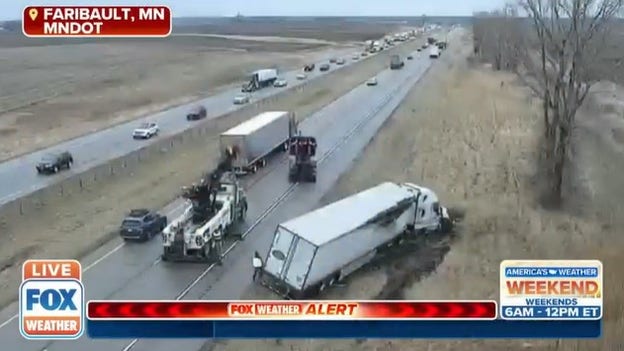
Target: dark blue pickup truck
142 224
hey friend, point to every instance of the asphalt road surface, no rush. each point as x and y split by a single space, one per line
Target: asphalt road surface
135 271
18 176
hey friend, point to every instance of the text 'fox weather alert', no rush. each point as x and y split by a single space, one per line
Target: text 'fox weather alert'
51 300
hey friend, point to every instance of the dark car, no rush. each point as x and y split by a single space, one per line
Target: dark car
333 60
308 68
410 57
324 67
142 224
196 113
53 163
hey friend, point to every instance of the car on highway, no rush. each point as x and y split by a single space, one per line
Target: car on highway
333 60
145 130
241 99
280 83
324 67
425 45
364 54
355 57
301 76
371 82
410 57
419 49
142 224
197 113
53 162
340 61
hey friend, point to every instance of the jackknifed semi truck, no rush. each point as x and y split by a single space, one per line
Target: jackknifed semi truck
250 143
316 250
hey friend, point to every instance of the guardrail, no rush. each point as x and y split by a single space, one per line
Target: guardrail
126 165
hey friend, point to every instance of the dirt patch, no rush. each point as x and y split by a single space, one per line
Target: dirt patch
62 231
472 136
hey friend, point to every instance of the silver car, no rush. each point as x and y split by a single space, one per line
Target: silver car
301 76
241 99
280 83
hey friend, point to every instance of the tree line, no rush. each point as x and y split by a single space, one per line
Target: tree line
554 42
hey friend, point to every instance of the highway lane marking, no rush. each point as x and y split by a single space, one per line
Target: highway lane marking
264 215
293 187
257 222
100 259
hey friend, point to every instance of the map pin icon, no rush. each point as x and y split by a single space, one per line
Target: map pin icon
33 14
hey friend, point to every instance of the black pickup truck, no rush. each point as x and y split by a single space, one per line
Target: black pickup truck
142 224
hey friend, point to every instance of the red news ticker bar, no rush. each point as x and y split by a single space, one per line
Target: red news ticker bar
303 310
96 21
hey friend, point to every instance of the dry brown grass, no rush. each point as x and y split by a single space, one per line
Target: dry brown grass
53 93
472 136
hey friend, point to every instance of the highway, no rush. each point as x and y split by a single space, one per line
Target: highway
18 176
342 128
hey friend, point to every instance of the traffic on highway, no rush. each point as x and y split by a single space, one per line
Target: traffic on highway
341 129
252 206
19 178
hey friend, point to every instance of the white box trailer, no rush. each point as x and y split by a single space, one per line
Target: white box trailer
315 250
252 141
434 52
266 75
259 79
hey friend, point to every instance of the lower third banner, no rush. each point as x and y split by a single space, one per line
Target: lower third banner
284 329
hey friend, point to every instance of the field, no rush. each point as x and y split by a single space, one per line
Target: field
472 134
52 90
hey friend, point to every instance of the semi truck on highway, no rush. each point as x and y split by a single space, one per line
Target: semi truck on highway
260 79
434 52
214 206
396 62
254 140
302 159
318 249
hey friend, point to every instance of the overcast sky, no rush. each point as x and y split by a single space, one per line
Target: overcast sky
11 9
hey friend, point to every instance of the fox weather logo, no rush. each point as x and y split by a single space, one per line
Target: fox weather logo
51 300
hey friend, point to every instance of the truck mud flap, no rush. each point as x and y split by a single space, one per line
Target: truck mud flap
272 284
280 292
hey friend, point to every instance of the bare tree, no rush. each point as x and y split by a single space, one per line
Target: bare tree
498 37
566 31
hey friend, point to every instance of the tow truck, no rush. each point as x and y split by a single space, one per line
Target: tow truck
215 206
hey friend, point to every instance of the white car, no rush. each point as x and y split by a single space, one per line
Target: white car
146 130
241 99
301 76
340 61
371 82
280 83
